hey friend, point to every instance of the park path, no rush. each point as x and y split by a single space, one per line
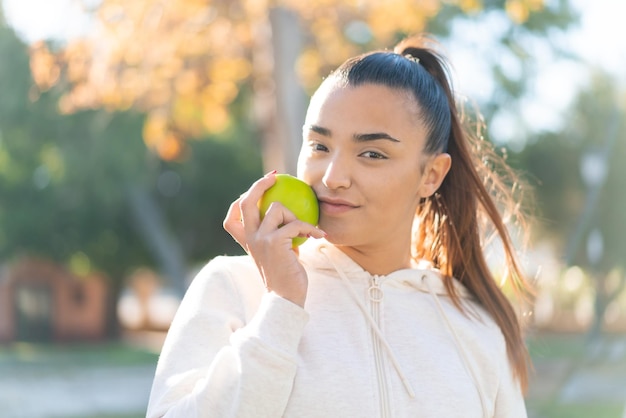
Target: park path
56 388
597 378
76 393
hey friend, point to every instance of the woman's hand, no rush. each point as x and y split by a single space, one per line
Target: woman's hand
269 241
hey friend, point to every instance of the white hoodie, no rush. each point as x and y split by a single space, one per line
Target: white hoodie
364 346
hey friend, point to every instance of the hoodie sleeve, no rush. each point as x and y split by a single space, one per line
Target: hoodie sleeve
214 364
510 399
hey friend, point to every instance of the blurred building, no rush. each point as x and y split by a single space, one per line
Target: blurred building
145 304
41 301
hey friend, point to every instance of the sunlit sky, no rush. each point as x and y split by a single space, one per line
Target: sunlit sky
44 19
599 41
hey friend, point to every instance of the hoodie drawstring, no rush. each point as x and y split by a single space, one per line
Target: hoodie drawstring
457 342
377 331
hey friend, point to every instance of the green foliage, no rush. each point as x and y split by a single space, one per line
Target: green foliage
554 161
510 58
59 176
64 179
551 167
215 174
15 86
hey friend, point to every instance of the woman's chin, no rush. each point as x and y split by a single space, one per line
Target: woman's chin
339 238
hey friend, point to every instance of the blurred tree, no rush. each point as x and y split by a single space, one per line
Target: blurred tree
58 198
76 188
173 72
580 186
184 62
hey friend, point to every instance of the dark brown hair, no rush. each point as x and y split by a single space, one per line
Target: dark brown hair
451 224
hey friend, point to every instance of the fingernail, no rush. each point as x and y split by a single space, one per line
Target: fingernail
270 173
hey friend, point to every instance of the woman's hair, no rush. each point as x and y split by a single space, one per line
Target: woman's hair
451 224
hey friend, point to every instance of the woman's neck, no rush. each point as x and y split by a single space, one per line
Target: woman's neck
381 260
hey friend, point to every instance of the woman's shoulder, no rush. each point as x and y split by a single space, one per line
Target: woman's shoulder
229 262
464 312
226 280
227 270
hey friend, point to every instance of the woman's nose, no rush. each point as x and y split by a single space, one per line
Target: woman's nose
336 176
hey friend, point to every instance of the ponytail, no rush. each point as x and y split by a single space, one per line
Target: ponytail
448 231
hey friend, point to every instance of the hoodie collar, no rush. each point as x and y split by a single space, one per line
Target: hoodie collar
324 256
321 255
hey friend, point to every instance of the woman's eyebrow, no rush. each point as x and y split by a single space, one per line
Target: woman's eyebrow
357 137
318 130
374 137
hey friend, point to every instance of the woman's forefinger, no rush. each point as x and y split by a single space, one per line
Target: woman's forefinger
248 202
234 226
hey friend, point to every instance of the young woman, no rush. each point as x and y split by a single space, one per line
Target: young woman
389 309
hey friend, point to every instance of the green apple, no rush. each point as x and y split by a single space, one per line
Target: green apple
295 195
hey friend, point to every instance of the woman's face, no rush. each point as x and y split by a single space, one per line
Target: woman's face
362 154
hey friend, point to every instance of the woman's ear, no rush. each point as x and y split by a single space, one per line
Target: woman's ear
436 169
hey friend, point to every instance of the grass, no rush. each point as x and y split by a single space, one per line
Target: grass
138 415
74 355
557 410
558 357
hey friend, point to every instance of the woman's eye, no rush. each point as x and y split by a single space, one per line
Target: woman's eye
319 147
374 155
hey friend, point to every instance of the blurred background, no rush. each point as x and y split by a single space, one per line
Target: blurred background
127 128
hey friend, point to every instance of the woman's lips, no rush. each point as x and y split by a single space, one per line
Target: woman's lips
335 206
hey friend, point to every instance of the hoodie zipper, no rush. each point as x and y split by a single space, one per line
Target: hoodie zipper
376 295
